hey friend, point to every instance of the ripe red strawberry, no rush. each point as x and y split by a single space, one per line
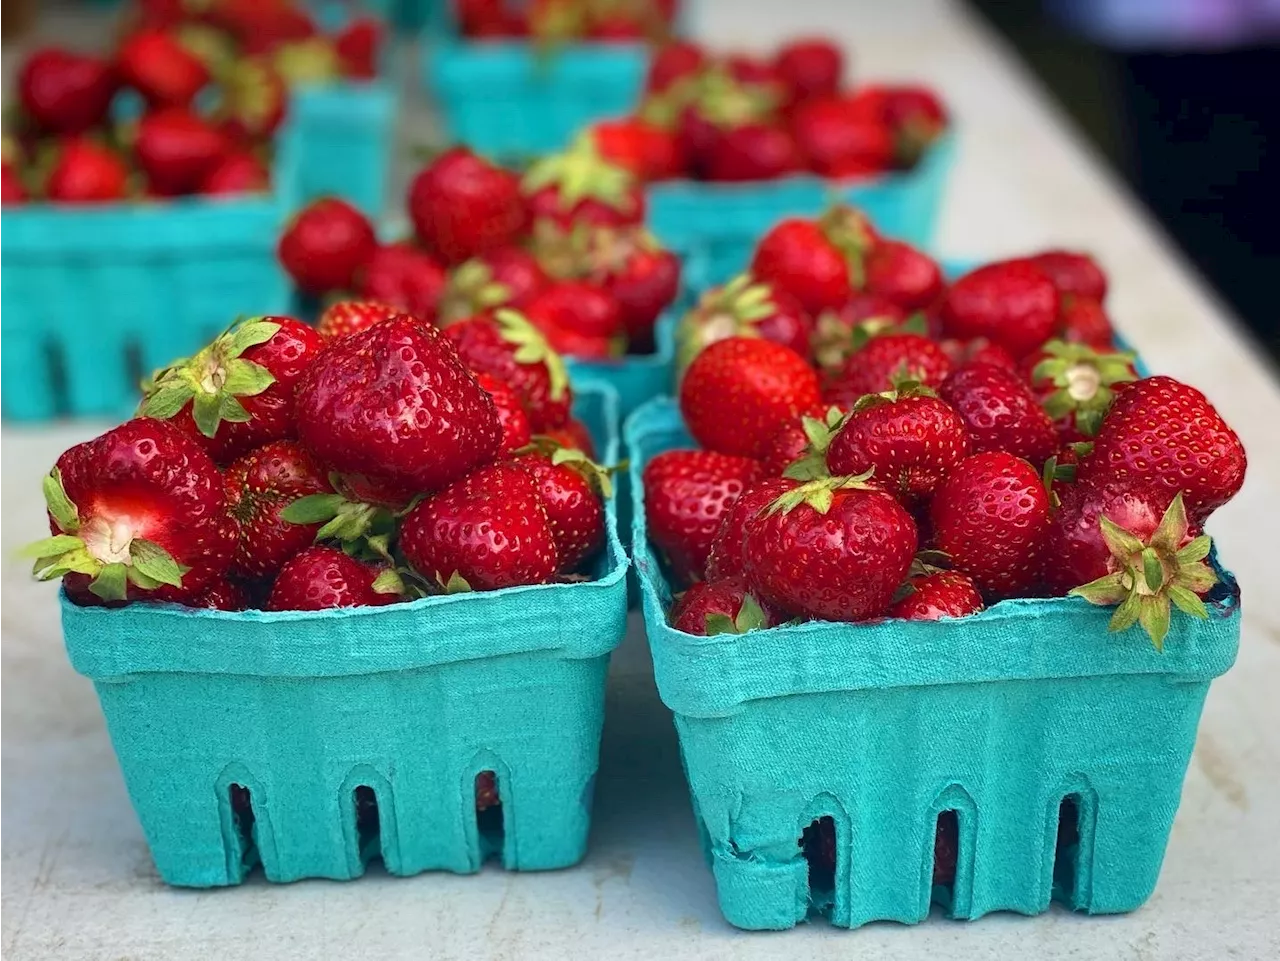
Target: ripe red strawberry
743 308
86 172
672 62
405 277
357 47
737 393
580 186
223 594
752 151
463 206
1164 435
582 346
178 150
718 607
325 244
156 64
811 67
1084 321
323 577
909 437
255 98
935 596
238 392
791 442
487 531
830 549
647 150
238 173
571 487
65 93
640 275
575 307
137 512
346 317
798 259
259 486
12 190
874 367
838 333
902 274
991 515
512 350
506 277
1074 274
394 405
1000 412
978 351
687 492
1012 303
1076 385
726 557
515 422
574 435
841 142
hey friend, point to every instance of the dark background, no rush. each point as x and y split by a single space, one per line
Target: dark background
1196 135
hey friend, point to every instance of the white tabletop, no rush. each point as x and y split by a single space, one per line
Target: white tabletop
78 882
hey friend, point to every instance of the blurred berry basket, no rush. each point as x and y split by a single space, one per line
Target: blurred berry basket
1056 751
310 742
96 297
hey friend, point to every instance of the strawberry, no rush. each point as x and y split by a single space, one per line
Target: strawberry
902 274
810 67
259 486
831 549
743 308
237 173
640 275
838 333
574 435
571 487
647 150
935 596
874 367
403 276
818 263
515 422
673 62
991 515
752 151
718 607
65 93
177 150
237 393
917 117
1084 321
1075 386
463 206
487 531
1011 303
12 190
1074 274
791 442
254 99
509 348
909 437
580 186
1115 544
726 557
156 64
583 346
395 406
1164 435
324 577
136 512
978 351
86 172
838 141
687 492
576 307
224 594
357 47
506 277
1000 412
737 393
343 318
325 244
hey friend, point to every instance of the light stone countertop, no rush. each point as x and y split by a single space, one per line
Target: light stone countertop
77 879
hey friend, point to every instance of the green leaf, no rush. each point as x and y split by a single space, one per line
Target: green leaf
60 506
1198 577
112 583
456 584
751 616
1187 602
1195 550
821 500
389 582
1153 615
1152 570
1126 615
232 411
51 547
141 580
205 412
313 509
247 379
720 624
1105 591
249 334
917 323
155 562
1120 542
167 401
1173 527
1089 421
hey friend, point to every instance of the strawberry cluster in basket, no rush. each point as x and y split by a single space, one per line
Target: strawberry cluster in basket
738 117
378 461
565 246
563 21
877 442
213 81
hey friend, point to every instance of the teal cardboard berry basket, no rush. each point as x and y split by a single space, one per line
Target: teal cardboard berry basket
346 132
96 297
721 222
1059 749
310 742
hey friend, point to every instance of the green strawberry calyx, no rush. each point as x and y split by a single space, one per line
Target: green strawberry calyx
1167 570
812 464
819 494
731 310
597 475
750 617
581 173
1083 379
213 380
471 290
532 348
454 584
361 529
847 229
723 100
107 551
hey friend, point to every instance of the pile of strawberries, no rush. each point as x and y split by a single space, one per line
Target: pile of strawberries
879 443
290 470
564 21
213 80
742 118
565 246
